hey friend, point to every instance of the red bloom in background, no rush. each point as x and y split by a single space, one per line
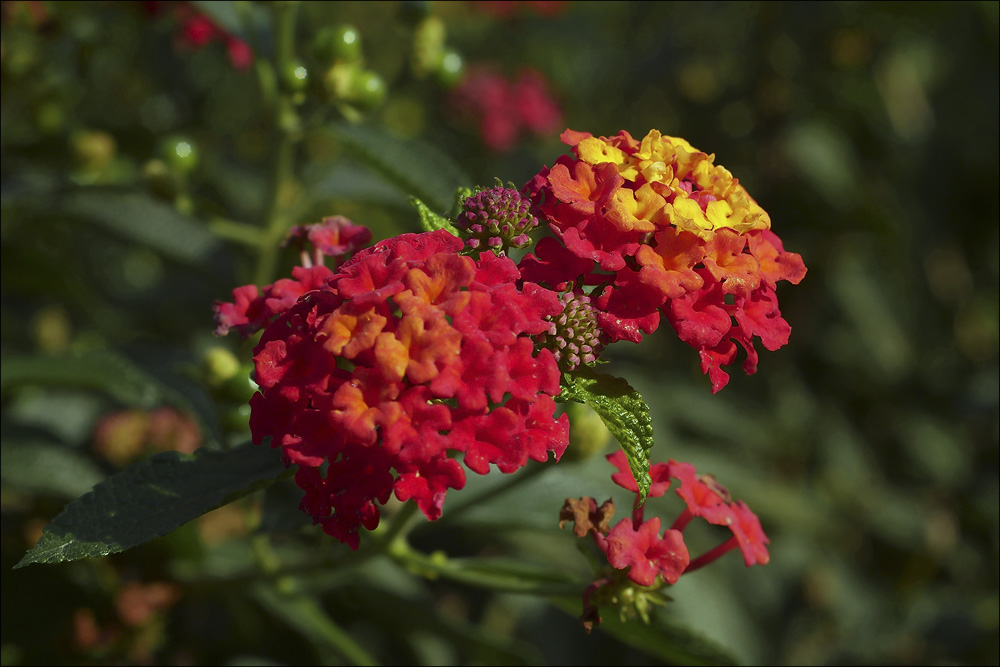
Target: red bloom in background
505 109
654 228
409 352
198 30
507 8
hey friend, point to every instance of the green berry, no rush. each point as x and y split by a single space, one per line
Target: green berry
450 68
180 153
295 77
367 89
342 42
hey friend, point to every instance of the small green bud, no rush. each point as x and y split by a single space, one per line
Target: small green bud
588 436
180 153
337 43
220 365
93 149
160 179
367 89
295 77
450 68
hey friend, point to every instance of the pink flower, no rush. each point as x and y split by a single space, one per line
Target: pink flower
645 553
635 550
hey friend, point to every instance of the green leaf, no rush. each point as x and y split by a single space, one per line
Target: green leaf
146 221
431 221
153 498
46 467
623 411
108 372
416 168
664 638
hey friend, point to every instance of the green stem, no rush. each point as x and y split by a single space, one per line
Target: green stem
398 526
481 573
287 129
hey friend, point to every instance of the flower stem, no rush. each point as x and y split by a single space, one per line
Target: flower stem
286 126
709 556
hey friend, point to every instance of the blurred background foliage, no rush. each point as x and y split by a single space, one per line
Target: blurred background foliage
138 176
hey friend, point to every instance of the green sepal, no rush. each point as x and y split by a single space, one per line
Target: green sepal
431 221
623 411
461 194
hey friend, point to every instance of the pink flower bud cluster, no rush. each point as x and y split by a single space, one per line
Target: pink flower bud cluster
498 218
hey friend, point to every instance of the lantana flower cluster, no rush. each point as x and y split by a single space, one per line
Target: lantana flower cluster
654 228
382 370
638 552
371 377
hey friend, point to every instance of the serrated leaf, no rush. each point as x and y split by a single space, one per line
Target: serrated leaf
416 168
46 467
431 221
106 371
153 498
623 411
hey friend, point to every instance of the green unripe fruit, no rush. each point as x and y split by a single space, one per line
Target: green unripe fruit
588 436
342 42
450 68
295 77
161 180
367 89
93 149
180 153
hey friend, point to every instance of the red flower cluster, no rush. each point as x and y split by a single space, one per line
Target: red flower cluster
636 547
653 227
504 109
370 376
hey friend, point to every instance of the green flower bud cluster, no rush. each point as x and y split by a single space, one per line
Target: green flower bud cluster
575 337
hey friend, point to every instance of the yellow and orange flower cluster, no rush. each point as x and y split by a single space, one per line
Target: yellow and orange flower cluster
654 227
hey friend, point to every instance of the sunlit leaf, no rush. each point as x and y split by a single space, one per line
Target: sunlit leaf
623 411
431 221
